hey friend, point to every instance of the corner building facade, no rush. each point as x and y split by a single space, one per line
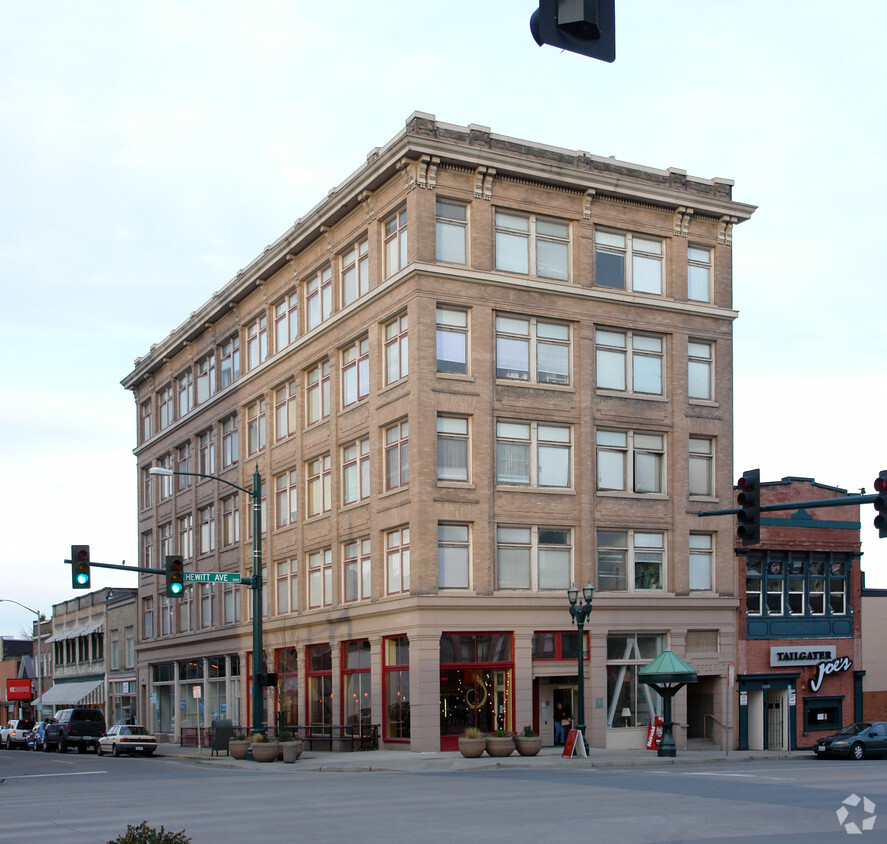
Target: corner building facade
478 372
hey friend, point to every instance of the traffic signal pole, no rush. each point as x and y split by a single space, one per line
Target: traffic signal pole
846 501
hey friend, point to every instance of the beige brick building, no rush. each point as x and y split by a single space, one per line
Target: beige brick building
479 371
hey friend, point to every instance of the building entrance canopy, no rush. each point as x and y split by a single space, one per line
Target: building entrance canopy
85 692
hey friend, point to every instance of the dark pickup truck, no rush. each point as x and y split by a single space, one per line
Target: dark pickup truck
80 728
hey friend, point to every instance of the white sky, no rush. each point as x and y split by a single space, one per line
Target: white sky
150 150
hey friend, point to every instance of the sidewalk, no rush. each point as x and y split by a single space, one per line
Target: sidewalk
406 761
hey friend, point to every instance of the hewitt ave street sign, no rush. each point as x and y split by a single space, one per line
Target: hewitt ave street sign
211 577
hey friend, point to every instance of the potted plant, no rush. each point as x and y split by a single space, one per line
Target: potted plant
529 743
473 743
500 743
264 750
238 747
290 747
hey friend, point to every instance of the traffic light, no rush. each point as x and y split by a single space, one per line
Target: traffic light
80 566
749 499
175 576
586 27
881 504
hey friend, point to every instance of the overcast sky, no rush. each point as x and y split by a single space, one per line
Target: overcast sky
149 150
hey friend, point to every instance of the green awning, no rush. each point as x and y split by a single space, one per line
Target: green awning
668 667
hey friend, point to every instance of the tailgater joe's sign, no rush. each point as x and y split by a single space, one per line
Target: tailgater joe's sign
18 689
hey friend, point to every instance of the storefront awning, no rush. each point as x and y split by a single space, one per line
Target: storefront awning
72 694
76 632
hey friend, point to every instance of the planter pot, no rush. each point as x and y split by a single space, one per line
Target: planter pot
291 750
528 745
265 751
238 748
500 745
472 748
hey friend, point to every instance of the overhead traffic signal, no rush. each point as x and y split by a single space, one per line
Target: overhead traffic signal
881 504
175 576
748 531
586 27
80 567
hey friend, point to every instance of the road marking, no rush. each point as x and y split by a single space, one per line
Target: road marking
72 774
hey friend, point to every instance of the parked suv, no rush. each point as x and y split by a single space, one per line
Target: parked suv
14 734
80 728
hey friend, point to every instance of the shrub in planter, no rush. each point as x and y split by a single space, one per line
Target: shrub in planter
472 744
529 743
500 743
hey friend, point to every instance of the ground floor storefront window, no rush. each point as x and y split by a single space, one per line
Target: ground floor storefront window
629 703
476 684
396 667
319 668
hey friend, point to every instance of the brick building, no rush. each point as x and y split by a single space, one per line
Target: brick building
477 372
800 635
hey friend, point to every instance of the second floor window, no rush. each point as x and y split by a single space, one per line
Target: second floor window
320 578
356 567
453 556
533 557
207 519
230 520
630 560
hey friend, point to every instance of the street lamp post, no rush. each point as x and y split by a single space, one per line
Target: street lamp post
580 611
40 619
254 582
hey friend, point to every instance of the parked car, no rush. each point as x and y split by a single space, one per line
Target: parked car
867 738
37 735
80 728
14 734
127 738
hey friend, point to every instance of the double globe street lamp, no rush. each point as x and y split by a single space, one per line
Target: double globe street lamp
580 610
254 582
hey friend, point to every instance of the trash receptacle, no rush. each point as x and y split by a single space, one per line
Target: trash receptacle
222 733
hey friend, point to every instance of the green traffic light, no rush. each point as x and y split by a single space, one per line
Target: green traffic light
175 588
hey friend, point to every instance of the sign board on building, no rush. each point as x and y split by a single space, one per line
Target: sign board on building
18 690
211 577
801 655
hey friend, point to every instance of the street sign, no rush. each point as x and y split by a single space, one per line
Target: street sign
211 577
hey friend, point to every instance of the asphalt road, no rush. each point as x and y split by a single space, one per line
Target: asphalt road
84 799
